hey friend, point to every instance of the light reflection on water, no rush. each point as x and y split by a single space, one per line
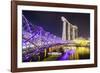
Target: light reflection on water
80 53
62 53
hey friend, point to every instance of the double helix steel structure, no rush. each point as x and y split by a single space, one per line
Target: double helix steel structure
35 39
36 35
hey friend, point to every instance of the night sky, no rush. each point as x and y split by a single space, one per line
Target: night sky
51 21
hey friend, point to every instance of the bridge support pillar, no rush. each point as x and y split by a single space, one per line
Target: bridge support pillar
45 52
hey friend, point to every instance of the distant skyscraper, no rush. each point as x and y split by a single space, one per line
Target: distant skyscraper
69 32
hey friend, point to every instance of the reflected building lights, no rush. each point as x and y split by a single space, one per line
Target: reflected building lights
35 40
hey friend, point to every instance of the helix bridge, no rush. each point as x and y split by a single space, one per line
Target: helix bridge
36 42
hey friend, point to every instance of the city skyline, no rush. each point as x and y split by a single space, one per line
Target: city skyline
51 21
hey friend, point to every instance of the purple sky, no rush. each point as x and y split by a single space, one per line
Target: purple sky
51 21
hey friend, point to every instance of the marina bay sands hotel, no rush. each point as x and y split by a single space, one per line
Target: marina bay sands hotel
70 31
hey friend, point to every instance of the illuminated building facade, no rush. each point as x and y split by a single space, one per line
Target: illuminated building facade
69 32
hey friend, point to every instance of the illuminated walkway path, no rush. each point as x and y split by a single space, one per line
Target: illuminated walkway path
66 55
